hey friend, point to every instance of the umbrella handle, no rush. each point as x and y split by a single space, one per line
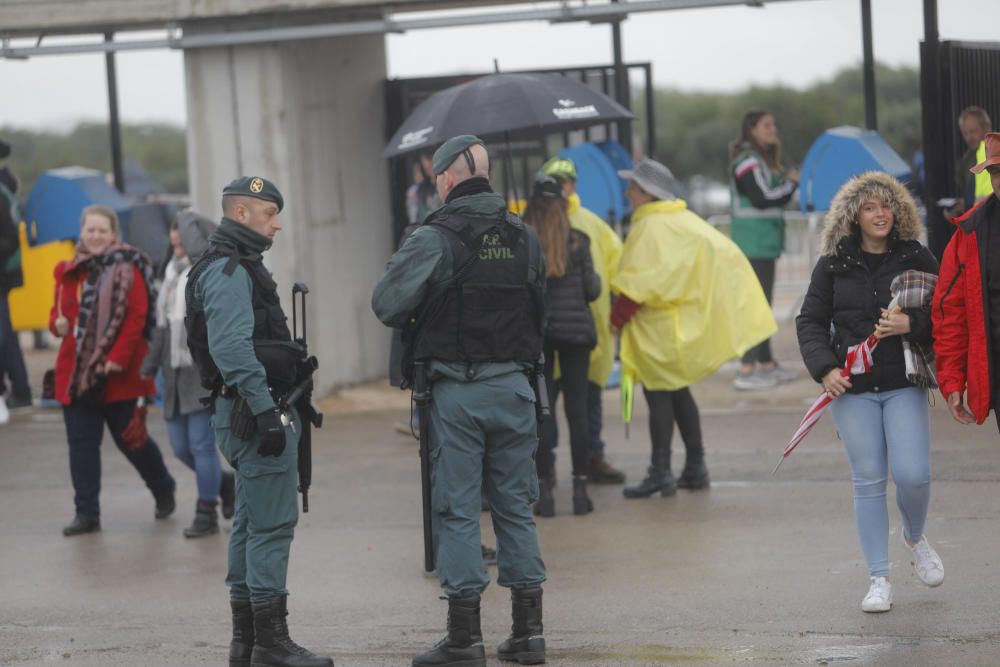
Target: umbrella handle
781 460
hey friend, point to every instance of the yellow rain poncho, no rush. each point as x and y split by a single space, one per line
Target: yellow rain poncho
606 250
701 303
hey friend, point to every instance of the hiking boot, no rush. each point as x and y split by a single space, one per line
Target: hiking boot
82 524
925 561
272 646
206 520
658 480
241 646
581 501
227 494
165 506
463 645
601 472
526 645
545 506
694 477
879 596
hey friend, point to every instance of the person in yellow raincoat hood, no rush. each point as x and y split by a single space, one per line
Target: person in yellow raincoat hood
606 251
688 301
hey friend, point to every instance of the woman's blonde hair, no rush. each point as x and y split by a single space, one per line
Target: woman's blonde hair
105 212
548 217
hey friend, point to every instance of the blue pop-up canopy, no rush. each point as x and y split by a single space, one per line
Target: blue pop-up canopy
597 180
839 154
59 197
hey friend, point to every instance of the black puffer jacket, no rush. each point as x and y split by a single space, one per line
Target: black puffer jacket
568 319
842 305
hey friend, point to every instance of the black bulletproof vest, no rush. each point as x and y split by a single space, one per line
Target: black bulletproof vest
489 310
271 336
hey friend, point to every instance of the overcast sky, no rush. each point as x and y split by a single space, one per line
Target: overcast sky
794 43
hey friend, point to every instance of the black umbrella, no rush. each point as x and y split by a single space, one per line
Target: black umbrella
506 106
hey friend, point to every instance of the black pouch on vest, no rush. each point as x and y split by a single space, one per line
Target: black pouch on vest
242 423
280 360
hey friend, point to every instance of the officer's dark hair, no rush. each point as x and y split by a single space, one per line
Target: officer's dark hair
978 113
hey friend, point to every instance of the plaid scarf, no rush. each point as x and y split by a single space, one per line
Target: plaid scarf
914 290
103 304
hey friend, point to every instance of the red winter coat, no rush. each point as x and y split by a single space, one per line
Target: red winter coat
959 312
128 351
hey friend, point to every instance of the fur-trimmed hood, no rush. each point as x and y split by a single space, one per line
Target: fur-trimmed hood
843 214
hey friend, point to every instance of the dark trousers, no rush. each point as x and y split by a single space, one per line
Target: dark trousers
764 268
11 359
84 432
665 409
595 414
574 363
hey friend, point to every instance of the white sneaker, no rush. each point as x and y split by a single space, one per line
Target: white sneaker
4 412
754 381
879 596
780 374
925 561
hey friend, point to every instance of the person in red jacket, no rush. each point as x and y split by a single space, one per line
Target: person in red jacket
966 309
102 313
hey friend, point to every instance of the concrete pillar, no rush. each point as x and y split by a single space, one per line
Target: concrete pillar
309 116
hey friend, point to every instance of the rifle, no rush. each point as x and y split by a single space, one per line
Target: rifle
422 397
300 395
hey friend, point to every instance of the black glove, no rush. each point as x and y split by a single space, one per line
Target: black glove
272 433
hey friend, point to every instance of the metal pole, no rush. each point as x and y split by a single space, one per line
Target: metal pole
935 188
650 112
114 124
871 121
621 82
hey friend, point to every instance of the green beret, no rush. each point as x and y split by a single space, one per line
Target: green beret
450 150
257 187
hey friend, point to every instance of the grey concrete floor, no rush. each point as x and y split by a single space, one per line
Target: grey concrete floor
758 569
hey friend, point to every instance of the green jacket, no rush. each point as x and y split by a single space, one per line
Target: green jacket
228 305
421 267
758 196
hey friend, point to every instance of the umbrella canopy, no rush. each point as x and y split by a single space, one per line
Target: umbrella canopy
517 105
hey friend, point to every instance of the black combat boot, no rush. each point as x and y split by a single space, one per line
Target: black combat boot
227 494
526 644
581 501
658 478
545 506
82 524
463 645
206 520
165 505
694 477
272 647
241 647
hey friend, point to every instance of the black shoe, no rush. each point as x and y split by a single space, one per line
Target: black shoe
241 647
526 645
272 646
694 477
165 506
227 494
658 480
19 401
489 555
206 520
545 506
581 501
602 472
463 645
80 525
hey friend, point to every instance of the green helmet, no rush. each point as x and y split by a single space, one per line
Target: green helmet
561 168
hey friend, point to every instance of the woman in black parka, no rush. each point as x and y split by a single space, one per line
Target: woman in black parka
571 284
870 237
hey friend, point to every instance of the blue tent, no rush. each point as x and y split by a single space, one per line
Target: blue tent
838 155
597 180
59 197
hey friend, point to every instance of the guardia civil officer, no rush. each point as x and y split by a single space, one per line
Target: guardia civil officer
469 283
239 338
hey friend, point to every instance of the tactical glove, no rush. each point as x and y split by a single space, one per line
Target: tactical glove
272 433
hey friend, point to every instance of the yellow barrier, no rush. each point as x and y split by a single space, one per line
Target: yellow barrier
30 305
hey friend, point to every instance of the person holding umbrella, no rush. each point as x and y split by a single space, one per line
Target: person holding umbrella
870 237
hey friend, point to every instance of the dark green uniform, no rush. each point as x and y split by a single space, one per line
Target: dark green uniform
482 417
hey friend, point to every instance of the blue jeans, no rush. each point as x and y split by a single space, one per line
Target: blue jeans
84 432
11 359
193 441
595 415
883 431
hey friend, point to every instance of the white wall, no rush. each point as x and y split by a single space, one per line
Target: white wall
308 116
